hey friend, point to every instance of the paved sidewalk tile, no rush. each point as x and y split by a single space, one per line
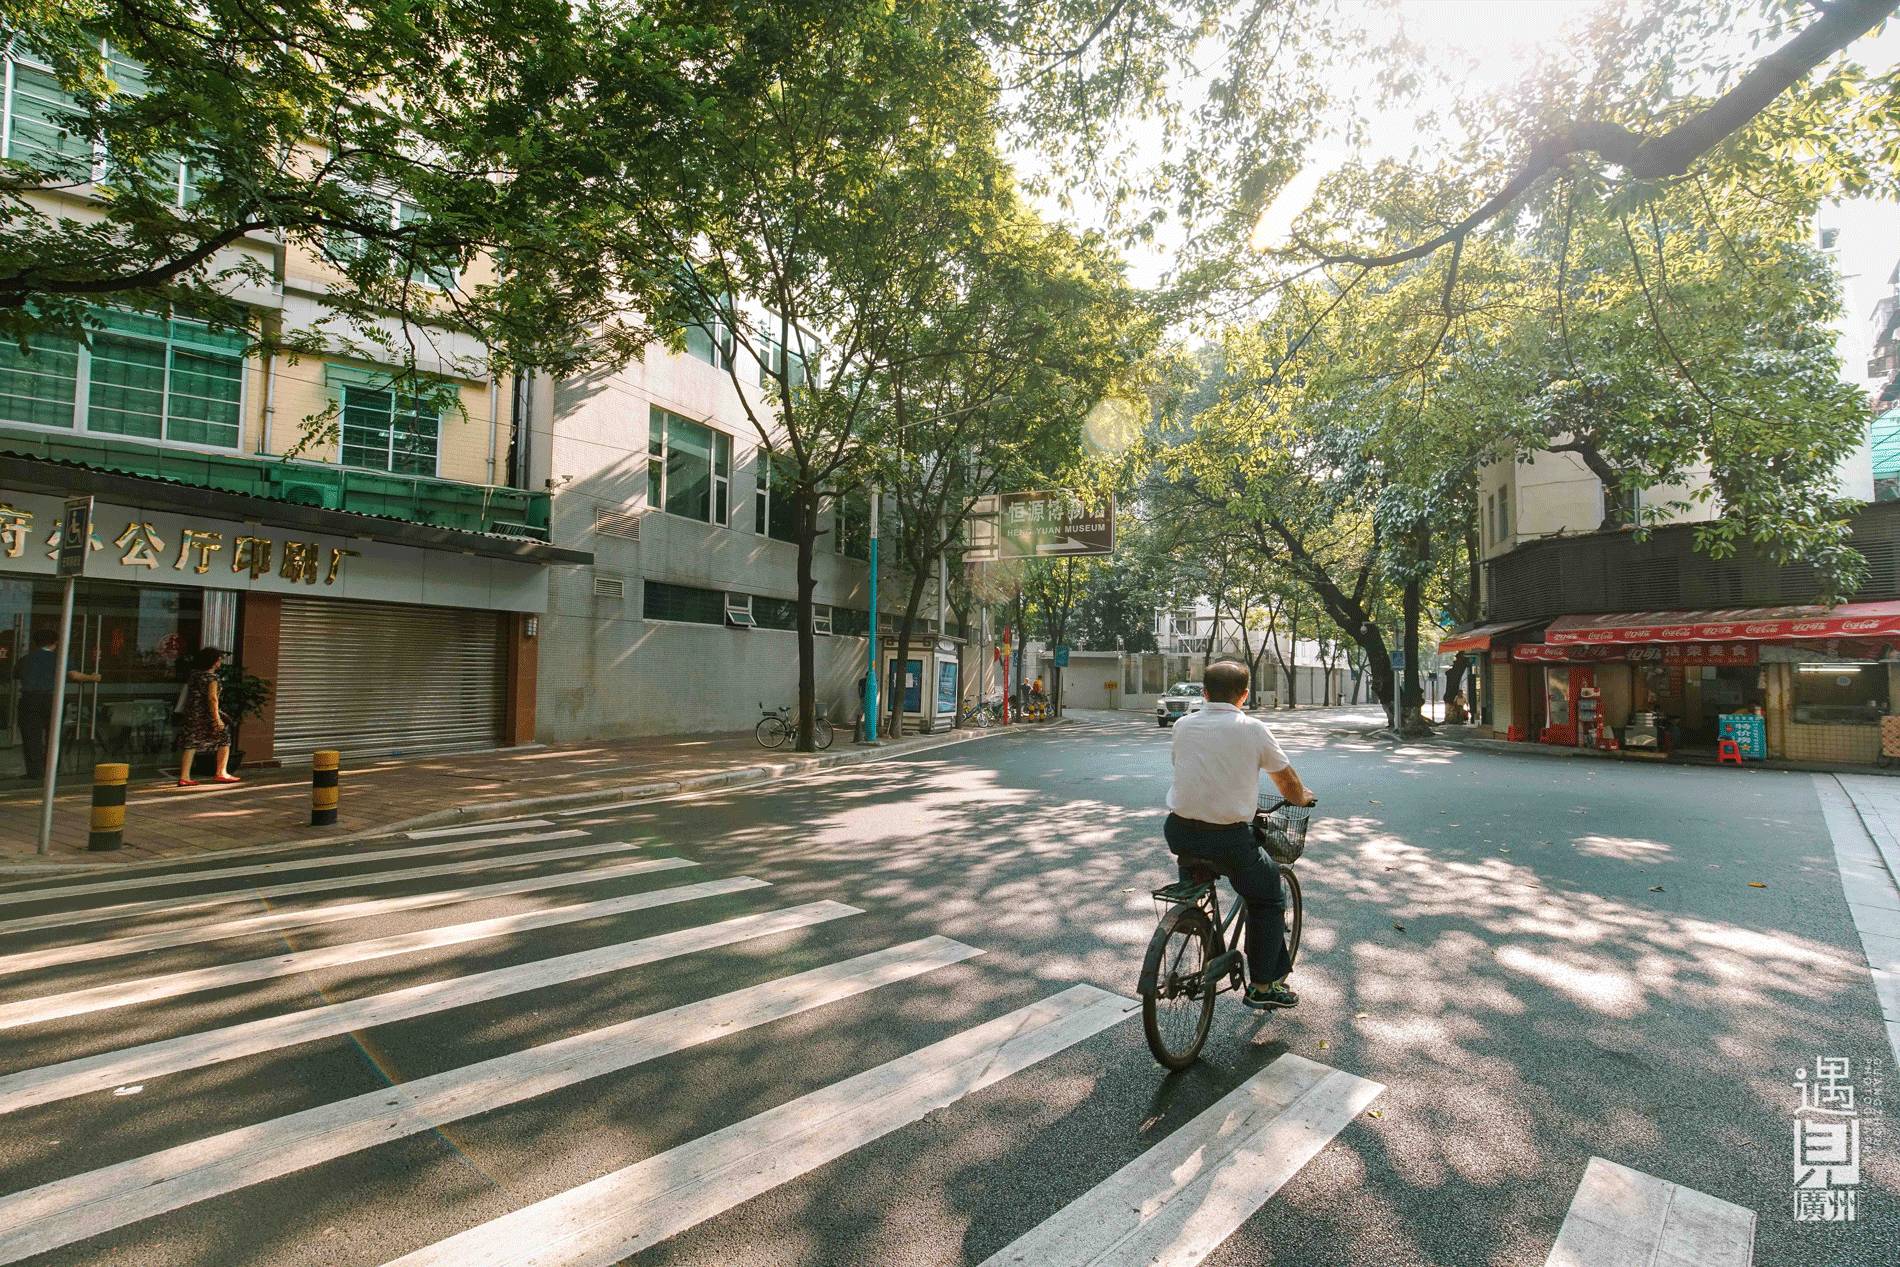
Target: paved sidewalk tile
271 807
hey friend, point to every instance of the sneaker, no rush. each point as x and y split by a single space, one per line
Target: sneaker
1266 997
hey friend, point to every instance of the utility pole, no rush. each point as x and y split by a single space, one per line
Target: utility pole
870 672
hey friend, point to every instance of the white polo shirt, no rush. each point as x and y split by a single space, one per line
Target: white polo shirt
1219 753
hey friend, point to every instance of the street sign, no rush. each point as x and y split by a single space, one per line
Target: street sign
75 535
1398 659
1062 657
1039 526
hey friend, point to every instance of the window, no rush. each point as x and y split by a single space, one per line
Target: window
776 613
711 343
425 268
774 356
774 513
821 620
849 622
148 377
1830 238
1840 693
689 468
37 120
1504 516
739 611
683 603
385 429
1490 518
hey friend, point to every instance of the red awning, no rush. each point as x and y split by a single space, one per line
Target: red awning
1745 624
1478 637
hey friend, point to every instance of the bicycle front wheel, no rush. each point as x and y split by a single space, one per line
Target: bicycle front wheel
770 732
821 733
1178 1008
1295 913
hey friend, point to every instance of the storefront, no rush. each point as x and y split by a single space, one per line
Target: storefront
367 643
1800 683
1488 646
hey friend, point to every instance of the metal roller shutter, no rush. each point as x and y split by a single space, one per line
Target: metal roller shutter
379 678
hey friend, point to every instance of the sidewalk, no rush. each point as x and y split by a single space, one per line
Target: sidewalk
382 795
1461 737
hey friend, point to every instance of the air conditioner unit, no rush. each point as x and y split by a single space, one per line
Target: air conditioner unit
314 489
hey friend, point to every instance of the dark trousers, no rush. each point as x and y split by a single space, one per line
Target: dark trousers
36 720
1232 852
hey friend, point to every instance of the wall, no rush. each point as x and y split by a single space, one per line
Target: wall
1857 745
605 670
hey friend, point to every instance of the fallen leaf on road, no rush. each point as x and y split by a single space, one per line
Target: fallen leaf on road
1501 848
1360 1016
134 1089
1655 888
1323 1044
1375 1113
1399 927
1756 884
1373 802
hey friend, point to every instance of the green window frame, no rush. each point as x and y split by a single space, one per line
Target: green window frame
689 468
382 428
346 247
38 113
145 377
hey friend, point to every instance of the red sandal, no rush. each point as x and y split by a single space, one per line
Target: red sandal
187 783
227 778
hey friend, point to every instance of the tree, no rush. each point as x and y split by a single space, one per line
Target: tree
1052 588
403 144
844 188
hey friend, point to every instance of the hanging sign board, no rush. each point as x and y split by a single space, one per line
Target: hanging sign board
75 536
1039 526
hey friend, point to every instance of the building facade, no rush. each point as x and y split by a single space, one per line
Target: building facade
685 621
342 527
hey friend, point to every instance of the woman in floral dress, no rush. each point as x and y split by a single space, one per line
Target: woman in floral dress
202 725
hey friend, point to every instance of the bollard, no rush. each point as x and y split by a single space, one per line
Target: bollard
324 767
108 807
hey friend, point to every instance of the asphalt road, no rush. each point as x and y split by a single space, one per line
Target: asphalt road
1541 962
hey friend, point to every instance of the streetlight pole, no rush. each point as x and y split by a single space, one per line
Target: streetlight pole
870 672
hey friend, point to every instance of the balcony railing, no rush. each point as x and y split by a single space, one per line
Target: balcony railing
483 508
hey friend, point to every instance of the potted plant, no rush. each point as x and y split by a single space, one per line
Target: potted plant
240 695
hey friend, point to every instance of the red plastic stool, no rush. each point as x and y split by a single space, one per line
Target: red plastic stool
1728 752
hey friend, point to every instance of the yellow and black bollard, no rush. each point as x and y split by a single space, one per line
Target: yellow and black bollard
108 806
324 767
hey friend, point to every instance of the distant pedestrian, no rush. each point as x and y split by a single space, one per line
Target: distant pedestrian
1455 712
202 723
39 670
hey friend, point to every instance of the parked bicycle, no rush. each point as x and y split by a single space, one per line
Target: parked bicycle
1195 955
777 727
981 716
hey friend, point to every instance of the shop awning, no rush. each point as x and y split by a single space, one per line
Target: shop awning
1478 637
1743 624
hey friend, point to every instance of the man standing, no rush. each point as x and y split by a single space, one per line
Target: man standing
38 671
1219 753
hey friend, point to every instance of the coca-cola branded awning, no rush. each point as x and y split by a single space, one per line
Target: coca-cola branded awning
1478 637
1746 624
1669 653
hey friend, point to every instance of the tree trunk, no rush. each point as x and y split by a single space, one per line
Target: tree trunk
1412 697
1345 609
1293 654
918 580
807 506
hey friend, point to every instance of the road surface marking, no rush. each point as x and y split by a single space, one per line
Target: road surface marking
305 917
620 1214
99 1201
1174 1204
125 910
169 985
513 824
1625 1218
49 1083
58 891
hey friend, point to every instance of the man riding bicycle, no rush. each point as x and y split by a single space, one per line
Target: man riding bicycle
1219 753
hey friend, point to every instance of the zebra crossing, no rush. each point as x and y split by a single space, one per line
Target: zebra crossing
1174 1203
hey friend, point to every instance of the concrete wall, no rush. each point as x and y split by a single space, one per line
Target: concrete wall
606 671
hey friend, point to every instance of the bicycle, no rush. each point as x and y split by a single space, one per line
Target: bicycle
1195 955
981 716
776 728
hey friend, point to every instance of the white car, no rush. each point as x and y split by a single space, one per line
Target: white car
1182 698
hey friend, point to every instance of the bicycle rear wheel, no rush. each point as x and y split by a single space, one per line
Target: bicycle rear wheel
1177 1010
1295 913
770 732
821 733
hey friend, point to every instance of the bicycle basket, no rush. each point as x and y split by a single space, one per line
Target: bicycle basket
1285 833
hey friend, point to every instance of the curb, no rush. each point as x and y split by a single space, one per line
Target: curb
498 811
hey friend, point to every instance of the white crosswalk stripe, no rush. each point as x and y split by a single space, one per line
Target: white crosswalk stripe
1624 1218
1174 1204
99 1201
622 1213
272 1033
171 985
479 829
59 892
357 880
310 917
